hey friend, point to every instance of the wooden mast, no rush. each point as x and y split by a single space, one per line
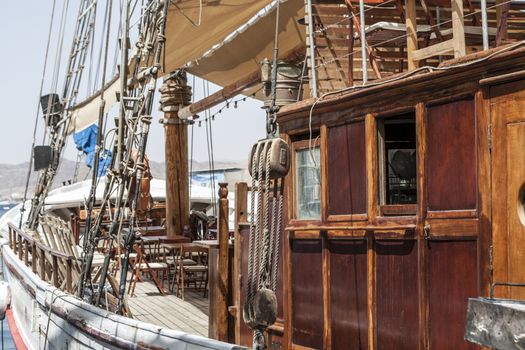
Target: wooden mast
175 94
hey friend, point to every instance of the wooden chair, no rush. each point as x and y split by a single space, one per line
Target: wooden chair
198 272
150 263
173 259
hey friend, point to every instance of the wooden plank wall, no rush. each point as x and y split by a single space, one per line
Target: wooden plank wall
359 280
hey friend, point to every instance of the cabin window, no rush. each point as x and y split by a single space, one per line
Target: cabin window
308 183
397 156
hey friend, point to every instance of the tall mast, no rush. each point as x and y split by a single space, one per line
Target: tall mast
175 94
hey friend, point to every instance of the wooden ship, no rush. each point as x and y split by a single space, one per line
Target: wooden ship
404 199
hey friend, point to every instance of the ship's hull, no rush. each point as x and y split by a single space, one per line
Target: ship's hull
49 318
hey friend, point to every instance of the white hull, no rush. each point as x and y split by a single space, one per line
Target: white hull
74 324
48 318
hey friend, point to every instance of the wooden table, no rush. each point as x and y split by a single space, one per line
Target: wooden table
153 238
152 230
166 238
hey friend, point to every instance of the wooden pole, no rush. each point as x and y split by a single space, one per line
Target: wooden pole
410 15
176 94
224 250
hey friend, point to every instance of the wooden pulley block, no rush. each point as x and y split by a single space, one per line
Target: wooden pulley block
279 153
264 308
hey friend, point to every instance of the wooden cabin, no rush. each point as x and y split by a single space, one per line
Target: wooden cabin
404 199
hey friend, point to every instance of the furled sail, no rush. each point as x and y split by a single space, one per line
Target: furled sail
86 112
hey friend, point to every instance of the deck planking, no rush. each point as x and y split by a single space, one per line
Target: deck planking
189 315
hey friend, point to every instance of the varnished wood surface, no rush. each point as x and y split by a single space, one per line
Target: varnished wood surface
451 156
508 176
451 281
307 293
426 87
406 279
177 177
346 169
397 295
348 293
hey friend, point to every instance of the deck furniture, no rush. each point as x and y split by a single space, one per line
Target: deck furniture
152 263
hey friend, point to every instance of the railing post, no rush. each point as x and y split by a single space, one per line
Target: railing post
33 257
241 216
69 284
55 270
26 252
19 247
11 239
223 237
42 263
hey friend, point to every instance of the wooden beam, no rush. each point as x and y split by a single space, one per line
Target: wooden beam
350 55
411 26
327 313
458 28
234 89
441 48
502 14
221 95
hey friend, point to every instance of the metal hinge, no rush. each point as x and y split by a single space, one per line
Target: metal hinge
490 137
426 232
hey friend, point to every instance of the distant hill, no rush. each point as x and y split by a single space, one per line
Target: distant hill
13 176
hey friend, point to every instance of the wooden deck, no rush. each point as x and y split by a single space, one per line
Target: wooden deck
189 315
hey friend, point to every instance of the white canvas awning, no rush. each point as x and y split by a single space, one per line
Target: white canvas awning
241 53
222 41
192 30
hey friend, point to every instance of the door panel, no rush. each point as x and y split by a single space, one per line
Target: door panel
508 178
346 169
348 294
452 279
307 294
397 295
451 156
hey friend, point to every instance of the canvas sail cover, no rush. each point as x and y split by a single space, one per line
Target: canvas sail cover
241 53
86 113
222 42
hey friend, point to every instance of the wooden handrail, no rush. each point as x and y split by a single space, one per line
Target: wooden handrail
39 244
24 244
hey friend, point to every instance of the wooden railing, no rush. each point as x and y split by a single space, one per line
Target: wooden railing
50 265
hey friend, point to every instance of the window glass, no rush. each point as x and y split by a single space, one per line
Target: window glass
308 183
399 157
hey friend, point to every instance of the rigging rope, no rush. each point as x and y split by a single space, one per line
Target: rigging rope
58 130
35 128
269 163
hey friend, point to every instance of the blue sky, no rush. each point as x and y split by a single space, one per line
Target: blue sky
24 27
